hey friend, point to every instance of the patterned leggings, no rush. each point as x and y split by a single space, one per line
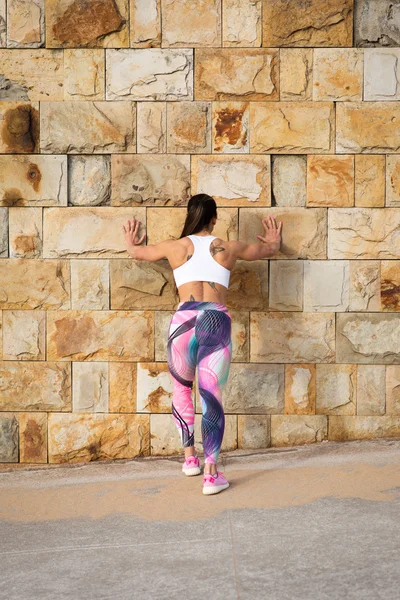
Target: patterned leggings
200 335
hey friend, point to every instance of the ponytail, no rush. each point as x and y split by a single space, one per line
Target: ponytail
200 210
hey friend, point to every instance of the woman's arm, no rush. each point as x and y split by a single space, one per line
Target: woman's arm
151 252
270 245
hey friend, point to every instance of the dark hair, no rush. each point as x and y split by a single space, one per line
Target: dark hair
200 210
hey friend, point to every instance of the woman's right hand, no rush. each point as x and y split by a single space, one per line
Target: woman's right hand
272 233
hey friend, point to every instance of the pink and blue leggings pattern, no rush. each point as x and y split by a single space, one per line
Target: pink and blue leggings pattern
200 336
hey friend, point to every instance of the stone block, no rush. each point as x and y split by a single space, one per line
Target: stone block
87 232
254 389
303 230
369 188
296 430
154 388
390 285
122 392
229 441
368 338
181 23
338 74
288 128
382 74
286 285
330 181
152 128
19 128
241 23
149 74
145 180
84 74
33 437
85 437
33 180
290 337
392 390
31 75
189 128
295 66
371 389
90 284
35 386
142 285
90 387
94 24
392 181
254 432
364 233
248 286
344 428
145 23
3 25
99 127
310 23
162 321
240 74
336 387
300 389
4 222
233 180
89 180
326 286
230 128
367 127
8 438
164 436
289 175
25 23
100 335
365 285
24 334
25 234
34 284
376 23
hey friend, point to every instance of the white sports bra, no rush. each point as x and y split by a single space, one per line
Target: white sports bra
201 266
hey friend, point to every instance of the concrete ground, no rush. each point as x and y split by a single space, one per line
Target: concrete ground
303 523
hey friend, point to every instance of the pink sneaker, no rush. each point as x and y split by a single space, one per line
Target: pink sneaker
212 484
191 466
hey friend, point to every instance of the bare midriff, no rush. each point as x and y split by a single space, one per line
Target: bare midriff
202 291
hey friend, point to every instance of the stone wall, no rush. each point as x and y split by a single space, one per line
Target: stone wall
114 108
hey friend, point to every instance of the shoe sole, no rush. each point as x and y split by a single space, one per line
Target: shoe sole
193 471
214 490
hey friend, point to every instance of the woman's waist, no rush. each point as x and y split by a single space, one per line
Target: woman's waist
202 305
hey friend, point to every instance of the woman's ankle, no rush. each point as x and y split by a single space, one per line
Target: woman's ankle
190 451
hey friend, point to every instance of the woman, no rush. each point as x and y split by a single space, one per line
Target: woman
200 330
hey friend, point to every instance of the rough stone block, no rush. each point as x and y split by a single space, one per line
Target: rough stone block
33 386
154 388
382 74
181 21
33 180
233 180
254 389
392 181
371 389
364 233
31 75
300 389
330 181
3 25
145 23
303 230
241 23
367 127
310 23
240 74
99 127
365 285
370 338
189 128
376 23
288 128
230 128
85 232
162 321
8 438
390 285
164 436
4 222
149 74
152 128
24 335
100 335
144 180
343 428
286 285
89 387
392 390
336 387
254 431
25 235
90 284
338 74
34 284
84 74
86 437
25 23
369 180
122 392
292 337
77 23
142 285
296 430
289 174
248 286
326 285
89 180
295 66
33 437
19 127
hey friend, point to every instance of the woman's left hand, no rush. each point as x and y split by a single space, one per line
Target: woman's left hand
131 233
